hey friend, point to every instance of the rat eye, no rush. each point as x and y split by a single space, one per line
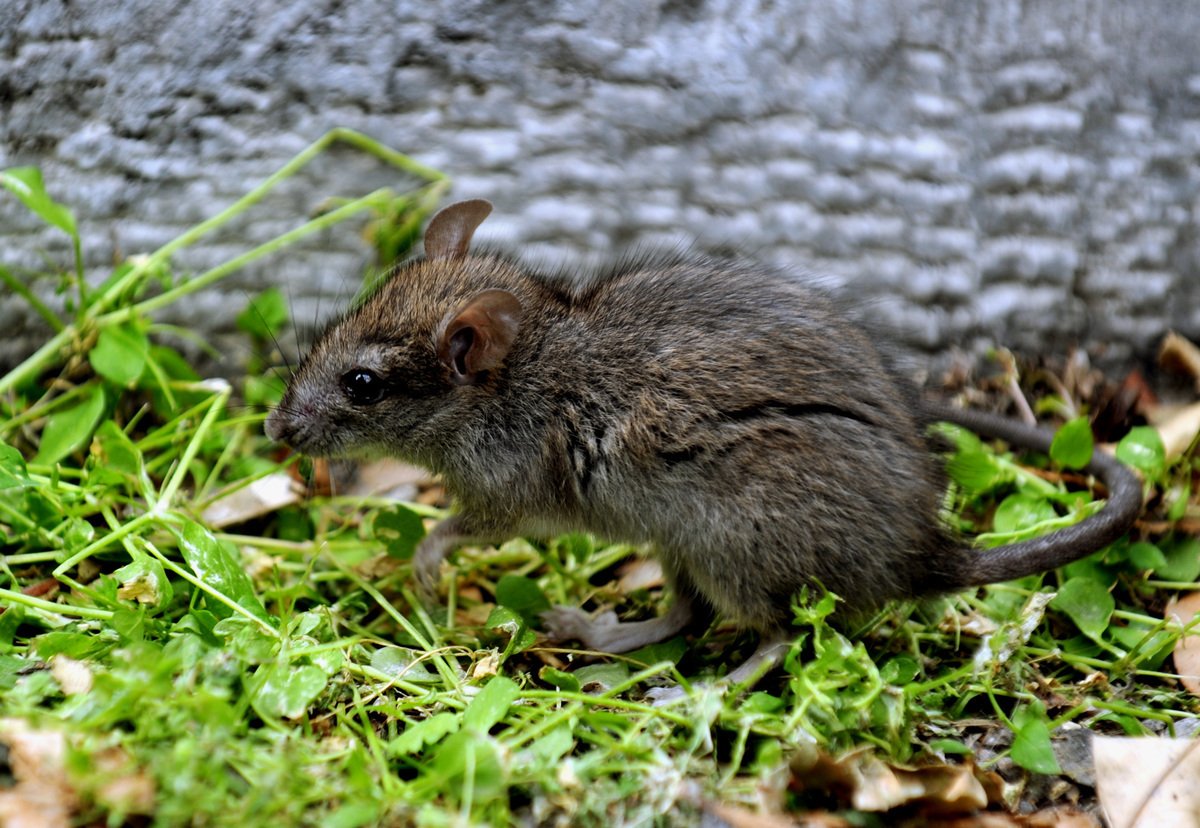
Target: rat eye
363 387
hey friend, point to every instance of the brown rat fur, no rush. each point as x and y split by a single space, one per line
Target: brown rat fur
720 410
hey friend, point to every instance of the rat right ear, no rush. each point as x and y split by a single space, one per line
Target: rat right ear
480 335
448 236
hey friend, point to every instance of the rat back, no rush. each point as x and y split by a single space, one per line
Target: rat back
730 415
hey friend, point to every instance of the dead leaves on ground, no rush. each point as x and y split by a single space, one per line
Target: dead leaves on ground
45 795
1149 783
1141 782
937 796
867 783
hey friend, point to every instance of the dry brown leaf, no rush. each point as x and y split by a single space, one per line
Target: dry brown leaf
869 784
1148 782
45 589
1052 818
736 817
1187 648
41 797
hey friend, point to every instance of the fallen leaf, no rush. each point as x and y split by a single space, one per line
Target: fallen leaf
1050 818
639 573
263 496
1187 648
386 477
1148 782
736 817
142 588
74 677
489 665
41 797
46 589
1179 355
869 784
1178 430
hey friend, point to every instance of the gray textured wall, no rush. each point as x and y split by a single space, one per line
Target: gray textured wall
1024 173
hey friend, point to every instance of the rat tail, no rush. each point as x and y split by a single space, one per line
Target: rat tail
1016 560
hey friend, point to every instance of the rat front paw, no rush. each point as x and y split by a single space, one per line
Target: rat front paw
567 623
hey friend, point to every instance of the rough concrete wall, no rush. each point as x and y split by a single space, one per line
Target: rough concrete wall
1021 173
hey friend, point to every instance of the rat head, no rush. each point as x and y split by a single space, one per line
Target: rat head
403 370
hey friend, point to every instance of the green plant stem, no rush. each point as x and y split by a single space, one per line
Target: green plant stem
384 502
425 697
29 558
238 262
217 405
43 407
29 296
596 701
447 674
130 528
914 690
355 139
49 606
1179 585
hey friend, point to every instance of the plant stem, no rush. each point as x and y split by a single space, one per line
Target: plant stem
193 446
29 296
49 606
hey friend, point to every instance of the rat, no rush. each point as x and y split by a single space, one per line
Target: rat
720 410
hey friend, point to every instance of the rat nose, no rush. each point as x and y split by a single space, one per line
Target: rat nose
278 427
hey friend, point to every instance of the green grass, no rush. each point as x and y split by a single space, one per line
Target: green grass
258 676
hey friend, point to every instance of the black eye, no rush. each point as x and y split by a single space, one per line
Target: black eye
363 387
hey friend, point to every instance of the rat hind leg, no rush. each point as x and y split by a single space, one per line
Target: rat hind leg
608 635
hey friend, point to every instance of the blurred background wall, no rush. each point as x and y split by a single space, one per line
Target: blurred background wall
995 172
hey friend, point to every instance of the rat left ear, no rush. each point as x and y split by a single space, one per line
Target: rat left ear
448 236
480 335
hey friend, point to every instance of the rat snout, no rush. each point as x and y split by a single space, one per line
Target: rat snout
278 427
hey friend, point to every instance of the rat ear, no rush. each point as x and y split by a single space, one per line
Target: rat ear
448 236
480 335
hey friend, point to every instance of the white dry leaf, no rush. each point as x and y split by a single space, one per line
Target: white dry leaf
388 478
262 497
1148 782
1178 431
1179 355
487 666
1012 636
640 573
142 588
74 677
